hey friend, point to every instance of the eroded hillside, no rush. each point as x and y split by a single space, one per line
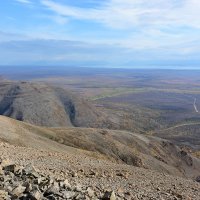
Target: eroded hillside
44 105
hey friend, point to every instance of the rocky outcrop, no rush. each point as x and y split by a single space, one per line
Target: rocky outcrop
27 183
39 174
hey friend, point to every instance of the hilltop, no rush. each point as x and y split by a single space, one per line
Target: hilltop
44 105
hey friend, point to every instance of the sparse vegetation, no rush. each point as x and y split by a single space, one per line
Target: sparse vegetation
120 124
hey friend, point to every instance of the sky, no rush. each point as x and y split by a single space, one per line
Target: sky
100 33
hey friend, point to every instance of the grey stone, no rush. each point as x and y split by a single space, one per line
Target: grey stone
90 192
35 195
109 196
19 190
68 194
3 195
9 168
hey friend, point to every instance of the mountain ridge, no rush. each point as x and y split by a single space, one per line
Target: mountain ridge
45 105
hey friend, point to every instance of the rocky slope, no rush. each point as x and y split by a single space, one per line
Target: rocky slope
39 174
130 148
62 160
117 146
25 182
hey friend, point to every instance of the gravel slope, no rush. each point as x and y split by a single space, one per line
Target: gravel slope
117 146
127 182
50 151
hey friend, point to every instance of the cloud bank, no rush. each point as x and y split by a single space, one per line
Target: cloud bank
134 13
106 32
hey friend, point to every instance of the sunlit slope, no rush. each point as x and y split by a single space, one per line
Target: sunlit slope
117 146
43 105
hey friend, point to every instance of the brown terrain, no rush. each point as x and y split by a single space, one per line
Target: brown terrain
44 105
103 160
77 150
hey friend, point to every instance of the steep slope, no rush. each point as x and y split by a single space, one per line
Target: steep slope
43 105
86 178
116 146
133 149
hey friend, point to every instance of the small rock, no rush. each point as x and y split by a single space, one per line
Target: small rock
30 170
28 186
66 184
9 168
74 174
120 192
18 191
124 175
35 195
158 189
92 173
78 188
3 195
90 192
1 171
80 196
5 162
68 194
198 179
109 196
52 190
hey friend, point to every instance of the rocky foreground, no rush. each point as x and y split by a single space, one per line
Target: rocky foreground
26 173
18 182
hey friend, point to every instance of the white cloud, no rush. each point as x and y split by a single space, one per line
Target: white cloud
149 29
83 54
134 13
147 24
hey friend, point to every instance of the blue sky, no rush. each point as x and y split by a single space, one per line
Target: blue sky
106 33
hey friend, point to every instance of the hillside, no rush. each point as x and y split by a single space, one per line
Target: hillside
56 171
117 146
67 138
86 178
133 149
183 134
44 105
